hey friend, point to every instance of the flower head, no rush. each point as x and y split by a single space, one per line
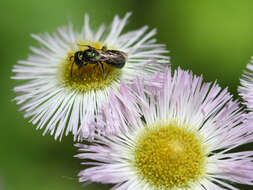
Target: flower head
71 74
180 136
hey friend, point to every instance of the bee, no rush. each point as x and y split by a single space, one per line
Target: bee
114 58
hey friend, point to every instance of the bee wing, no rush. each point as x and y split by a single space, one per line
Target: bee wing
112 55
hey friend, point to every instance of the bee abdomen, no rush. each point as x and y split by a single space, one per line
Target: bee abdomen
115 59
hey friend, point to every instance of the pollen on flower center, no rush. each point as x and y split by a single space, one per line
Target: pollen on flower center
169 156
89 77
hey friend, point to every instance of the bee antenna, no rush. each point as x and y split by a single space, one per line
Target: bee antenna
86 46
71 69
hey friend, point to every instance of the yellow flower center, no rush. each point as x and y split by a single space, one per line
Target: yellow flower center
89 77
169 156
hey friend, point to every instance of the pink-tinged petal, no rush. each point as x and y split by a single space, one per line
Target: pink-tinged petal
246 86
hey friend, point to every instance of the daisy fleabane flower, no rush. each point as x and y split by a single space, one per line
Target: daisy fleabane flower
180 136
69 76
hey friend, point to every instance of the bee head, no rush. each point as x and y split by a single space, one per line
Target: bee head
90 53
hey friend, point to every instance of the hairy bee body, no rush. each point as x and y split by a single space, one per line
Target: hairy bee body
113 58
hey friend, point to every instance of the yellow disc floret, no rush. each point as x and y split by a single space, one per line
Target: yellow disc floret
169 156
89 77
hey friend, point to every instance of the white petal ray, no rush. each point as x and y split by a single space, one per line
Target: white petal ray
88 34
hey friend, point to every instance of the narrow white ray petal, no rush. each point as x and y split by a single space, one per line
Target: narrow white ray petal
99 33
114 27
146 37
88 34
119 28
134 36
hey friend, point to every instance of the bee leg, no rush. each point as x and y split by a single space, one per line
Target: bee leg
85 64
80 66
71 57
103 69
95 66
71 69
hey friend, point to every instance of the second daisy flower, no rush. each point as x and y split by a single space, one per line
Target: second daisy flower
179 136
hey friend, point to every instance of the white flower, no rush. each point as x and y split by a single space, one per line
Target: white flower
179 137
61 101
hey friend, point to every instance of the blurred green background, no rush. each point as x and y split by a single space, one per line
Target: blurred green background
213 38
